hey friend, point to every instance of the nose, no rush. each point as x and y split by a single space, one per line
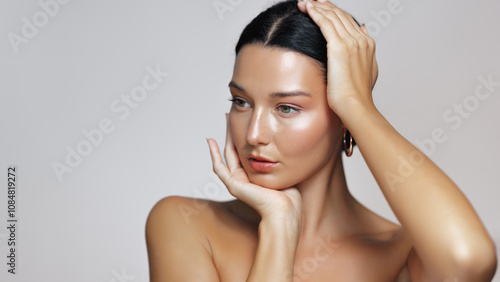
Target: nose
258 129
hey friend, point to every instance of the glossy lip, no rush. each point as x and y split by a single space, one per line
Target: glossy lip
260 158
261 164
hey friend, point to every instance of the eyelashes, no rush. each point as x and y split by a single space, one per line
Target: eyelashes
237 102
284 109
287 109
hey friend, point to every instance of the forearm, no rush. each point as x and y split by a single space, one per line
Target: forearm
275 252
441 222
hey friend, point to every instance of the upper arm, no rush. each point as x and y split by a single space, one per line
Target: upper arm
178 249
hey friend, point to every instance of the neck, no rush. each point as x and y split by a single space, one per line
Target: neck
327 206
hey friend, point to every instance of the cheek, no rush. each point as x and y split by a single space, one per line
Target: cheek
308 139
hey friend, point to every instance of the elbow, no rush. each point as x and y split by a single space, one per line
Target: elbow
475 262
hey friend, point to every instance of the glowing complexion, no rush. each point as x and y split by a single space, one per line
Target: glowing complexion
280 114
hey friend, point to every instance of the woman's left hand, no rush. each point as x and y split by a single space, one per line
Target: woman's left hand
352 67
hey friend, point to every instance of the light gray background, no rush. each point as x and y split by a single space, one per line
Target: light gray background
90 226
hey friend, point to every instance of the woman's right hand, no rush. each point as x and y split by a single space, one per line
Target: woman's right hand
284 204
280 211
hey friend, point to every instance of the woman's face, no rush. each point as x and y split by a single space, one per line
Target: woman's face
280 113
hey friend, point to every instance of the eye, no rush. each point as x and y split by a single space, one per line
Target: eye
239 102
285 109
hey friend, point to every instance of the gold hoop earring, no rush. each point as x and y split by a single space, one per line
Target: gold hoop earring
348 138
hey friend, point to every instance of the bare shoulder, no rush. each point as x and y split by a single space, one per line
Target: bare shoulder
190 239
178 249
184 210
184 218
199 214
181 219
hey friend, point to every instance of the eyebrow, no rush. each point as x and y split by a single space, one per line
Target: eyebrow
274 94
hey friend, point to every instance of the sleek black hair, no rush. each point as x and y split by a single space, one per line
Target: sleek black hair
283 25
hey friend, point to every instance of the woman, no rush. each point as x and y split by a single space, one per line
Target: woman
301 87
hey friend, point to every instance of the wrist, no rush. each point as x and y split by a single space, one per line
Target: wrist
288 228
352 110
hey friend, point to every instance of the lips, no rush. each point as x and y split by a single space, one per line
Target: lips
260 163
259 158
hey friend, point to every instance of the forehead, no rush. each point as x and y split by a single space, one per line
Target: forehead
264 69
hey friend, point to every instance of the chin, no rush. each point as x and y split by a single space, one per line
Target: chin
270 181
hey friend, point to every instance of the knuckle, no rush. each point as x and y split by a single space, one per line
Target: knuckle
330 13
217 169
337 10
362 42
371 42
350 45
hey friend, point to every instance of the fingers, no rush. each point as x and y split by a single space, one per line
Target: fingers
218 164
224 170
302 6
338 26
232 159
343 22
326 26
335 24
233 184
